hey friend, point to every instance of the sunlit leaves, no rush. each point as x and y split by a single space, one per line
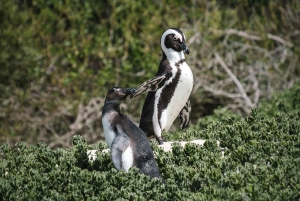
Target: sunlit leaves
261 162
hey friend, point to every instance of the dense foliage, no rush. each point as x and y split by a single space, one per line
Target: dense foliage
281 102
286 102
58 58
261 162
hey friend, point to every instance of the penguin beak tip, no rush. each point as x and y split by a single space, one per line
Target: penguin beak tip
184 48
129 91
133 91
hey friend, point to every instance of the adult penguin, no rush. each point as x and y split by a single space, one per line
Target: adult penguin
128 143
169 91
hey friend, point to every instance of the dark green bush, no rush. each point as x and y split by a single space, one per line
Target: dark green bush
261 162
286 102
219 114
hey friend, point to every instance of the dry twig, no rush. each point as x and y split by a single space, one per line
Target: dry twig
235 80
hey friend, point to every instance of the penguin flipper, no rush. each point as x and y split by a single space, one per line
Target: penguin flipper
119 144
184 115
149 85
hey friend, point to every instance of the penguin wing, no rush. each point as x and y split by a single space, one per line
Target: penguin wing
119 144
149 85
184 115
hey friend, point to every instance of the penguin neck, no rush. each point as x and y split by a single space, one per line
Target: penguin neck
173 56
111 106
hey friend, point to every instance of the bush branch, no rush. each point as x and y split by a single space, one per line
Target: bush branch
235 80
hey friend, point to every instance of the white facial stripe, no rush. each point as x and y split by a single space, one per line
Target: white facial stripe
169 31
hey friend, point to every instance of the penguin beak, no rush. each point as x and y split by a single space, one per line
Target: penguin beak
183 47
128 91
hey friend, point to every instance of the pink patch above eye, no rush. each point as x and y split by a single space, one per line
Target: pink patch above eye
176 37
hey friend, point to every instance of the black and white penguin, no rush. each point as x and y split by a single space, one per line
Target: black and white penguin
169 93
128 144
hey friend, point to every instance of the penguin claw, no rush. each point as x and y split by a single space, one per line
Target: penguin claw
160 140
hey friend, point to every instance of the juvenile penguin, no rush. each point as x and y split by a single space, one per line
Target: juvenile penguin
168 95
128 144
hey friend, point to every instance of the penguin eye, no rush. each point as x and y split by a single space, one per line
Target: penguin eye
175 38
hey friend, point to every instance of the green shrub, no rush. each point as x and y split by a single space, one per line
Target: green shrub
286 102
261 162
219 114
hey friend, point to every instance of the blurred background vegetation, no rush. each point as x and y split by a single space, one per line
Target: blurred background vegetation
59 58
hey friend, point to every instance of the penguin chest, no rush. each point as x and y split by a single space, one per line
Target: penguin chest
127 158
183 88
108 131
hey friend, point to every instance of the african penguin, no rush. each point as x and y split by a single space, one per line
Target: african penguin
169 97
128 143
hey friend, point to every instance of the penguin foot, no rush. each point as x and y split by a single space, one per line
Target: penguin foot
160 140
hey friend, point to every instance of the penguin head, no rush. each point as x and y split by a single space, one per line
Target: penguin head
173 43
118 94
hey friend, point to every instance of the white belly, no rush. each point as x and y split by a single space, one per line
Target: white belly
108 132
180 97
127 159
